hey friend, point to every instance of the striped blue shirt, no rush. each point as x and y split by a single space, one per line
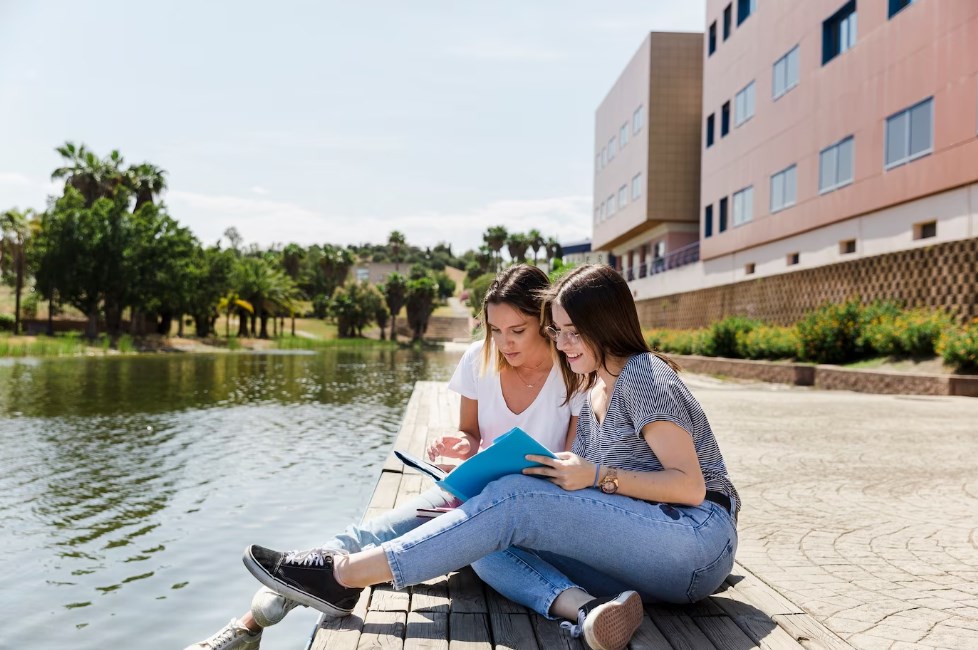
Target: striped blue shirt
648 390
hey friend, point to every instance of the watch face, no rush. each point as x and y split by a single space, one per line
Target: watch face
609 485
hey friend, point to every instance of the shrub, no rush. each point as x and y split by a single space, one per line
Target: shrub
477 292
921 331
723 335
831 334
959 347
6 323
768 342
680 341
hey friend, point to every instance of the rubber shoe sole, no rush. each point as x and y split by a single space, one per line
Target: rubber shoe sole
610 626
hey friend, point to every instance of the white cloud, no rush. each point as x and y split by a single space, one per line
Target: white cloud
264 221
258 189
13 178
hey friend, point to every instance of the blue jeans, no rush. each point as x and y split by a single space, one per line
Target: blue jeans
602 543
515 573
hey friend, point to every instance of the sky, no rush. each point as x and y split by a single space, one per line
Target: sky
327 121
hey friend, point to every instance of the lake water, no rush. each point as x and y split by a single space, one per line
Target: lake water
130 485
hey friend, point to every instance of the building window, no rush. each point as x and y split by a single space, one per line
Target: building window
896 6
725 119
597 163
712 43
709 129
611 149
785 73
749 268
636 186
604 157
783 189
722 225
793 258
660 250
623 136
362 275
637 120
744 9
847 247
708 221
744 104
743 206
597 215
839 32
622 197
910 133
727 21
611 205
925 230
835 164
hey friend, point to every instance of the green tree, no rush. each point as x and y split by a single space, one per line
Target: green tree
146 181
517 245
395 242
14 231
354 306
93 177
421 293
554 251
395 293
495 238
536 242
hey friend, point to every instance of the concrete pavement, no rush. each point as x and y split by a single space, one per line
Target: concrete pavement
861 509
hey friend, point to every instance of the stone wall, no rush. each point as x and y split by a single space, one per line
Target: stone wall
942 276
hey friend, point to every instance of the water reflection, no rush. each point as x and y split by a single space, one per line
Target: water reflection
125 481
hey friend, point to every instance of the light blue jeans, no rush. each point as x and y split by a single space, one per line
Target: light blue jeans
517 574
530 540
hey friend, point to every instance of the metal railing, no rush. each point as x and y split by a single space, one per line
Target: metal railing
679 257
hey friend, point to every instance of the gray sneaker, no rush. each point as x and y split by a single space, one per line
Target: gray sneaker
232 636
269 607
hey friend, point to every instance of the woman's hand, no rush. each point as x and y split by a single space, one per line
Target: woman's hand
460 445
567 470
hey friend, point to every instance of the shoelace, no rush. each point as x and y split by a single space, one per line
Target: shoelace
575 630
312 557
224 636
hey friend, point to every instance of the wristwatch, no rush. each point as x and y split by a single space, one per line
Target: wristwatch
609 484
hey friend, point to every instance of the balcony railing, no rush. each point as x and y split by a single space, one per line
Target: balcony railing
679 257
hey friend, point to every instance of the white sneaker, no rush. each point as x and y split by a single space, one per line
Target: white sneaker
608 623
269 607
232 636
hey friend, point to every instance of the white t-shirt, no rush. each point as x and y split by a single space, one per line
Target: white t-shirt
546 419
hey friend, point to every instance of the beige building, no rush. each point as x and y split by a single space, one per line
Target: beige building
647 160
839 153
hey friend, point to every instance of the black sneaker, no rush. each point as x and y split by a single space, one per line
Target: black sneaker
304 576
608 623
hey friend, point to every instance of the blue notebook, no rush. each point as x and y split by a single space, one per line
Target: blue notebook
504 456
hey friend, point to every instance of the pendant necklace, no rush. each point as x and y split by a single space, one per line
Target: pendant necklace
525 383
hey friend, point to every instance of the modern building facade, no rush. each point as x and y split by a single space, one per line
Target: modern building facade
837 136
646 161
580 252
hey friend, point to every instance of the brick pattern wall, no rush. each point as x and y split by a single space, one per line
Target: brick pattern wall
943 276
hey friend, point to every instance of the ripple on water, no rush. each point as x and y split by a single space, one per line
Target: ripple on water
136 482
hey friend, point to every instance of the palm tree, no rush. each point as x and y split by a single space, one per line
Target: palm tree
495 237
84 171
147 182
516 245
227 305
553 250
14 229
394 242
535 239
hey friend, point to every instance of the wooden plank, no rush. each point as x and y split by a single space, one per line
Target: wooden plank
341 633
426 631
382 631
726 634
466 591
387 599
750 589
767 633
513 632
499 604
648 637
385 494
683 633
431 596
810 633
410 487
468 632
551 637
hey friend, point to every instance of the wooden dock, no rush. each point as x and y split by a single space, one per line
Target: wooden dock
459 612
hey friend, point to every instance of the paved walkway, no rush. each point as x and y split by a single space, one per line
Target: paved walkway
861 509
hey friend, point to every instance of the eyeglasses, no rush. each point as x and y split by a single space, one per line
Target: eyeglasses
555 335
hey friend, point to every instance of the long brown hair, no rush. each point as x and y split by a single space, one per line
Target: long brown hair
597 300
522 287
